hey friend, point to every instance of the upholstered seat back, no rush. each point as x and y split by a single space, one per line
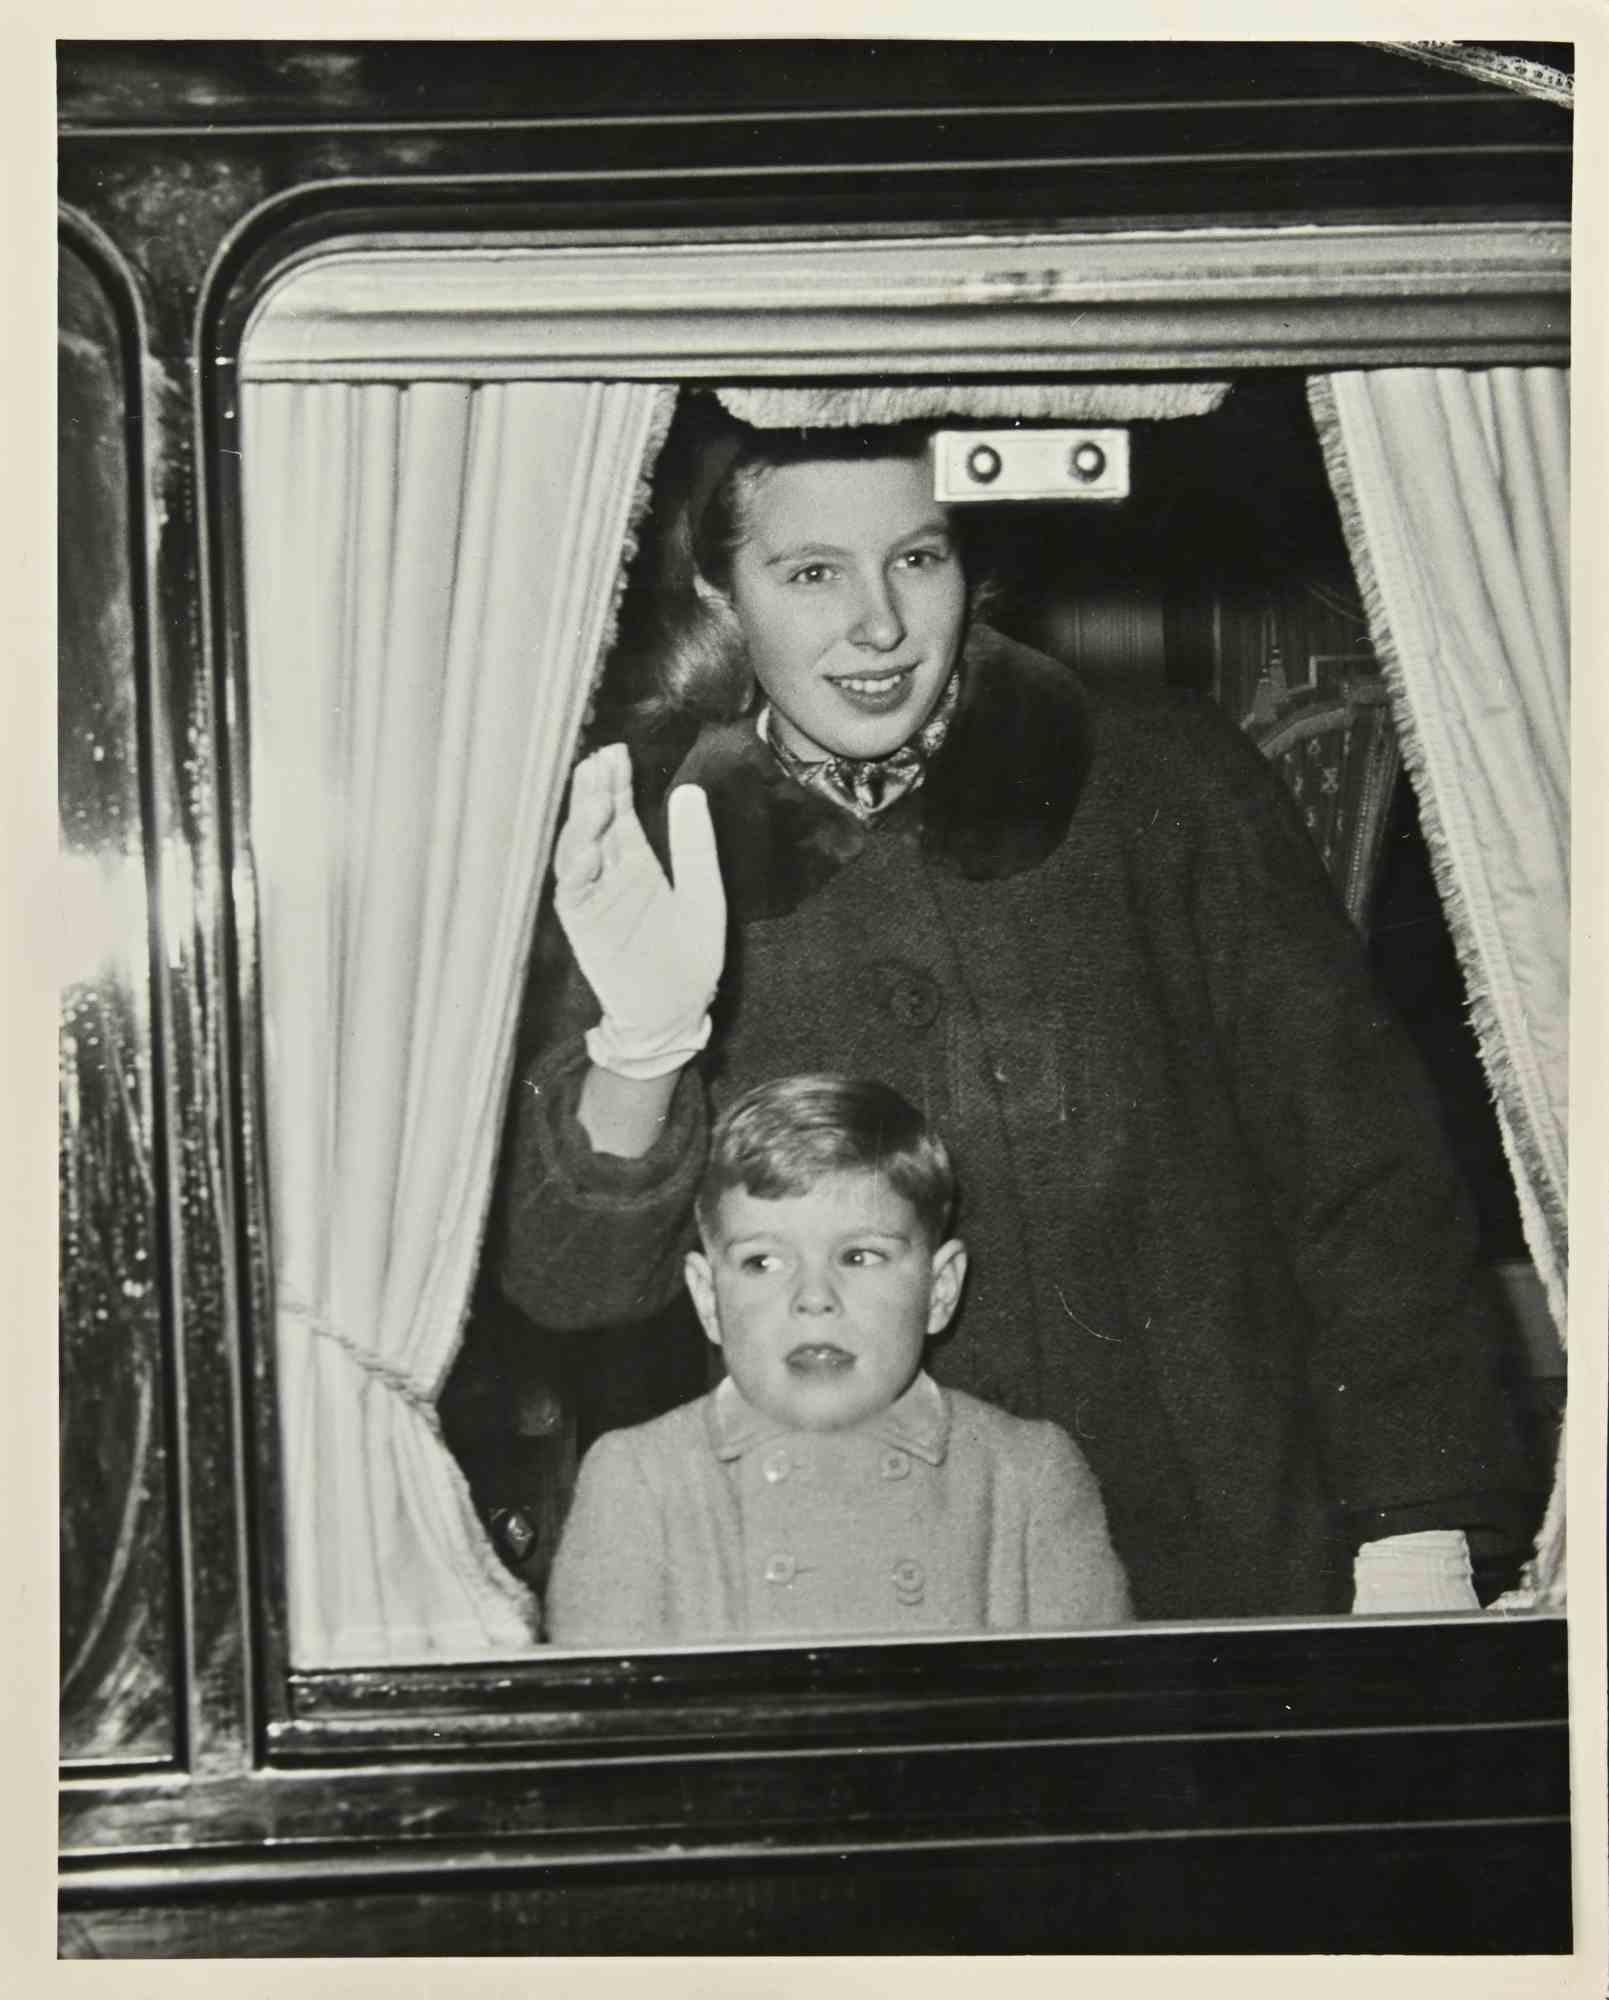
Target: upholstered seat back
1337 751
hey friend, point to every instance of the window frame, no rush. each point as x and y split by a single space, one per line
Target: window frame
1278 1692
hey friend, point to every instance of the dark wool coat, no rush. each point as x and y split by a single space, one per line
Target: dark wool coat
1214 1233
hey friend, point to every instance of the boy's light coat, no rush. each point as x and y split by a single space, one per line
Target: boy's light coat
943 1514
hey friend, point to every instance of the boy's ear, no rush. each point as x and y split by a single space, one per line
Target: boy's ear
949 1274
701 1284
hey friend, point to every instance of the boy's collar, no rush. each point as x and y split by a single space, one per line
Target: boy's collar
919 1422
996 799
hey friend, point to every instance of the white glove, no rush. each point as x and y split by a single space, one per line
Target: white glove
1428 1571
651 950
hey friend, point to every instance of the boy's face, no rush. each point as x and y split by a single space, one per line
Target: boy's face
822 1302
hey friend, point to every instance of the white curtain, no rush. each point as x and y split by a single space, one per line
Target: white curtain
1453 487
431 573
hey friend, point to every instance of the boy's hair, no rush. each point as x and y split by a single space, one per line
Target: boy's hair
782 1137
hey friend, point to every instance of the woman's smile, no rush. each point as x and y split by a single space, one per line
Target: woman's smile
874 694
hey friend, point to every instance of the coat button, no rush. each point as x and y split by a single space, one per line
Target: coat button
780 1569
896 1464
914 1002
774 1466
907 994
910 1580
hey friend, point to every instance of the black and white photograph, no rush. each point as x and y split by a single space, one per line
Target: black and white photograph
814 1093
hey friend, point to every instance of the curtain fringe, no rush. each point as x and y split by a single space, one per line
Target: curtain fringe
658 428
642 494
1533 1182
1541 1582
1068 402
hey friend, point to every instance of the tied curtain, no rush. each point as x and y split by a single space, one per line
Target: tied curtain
1453 487
431 577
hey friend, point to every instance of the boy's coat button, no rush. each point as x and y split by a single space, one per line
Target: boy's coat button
780 1569
896 1464
774 1465
910 1580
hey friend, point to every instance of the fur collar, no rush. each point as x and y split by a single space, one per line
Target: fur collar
997 797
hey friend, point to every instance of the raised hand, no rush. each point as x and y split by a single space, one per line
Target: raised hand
651 948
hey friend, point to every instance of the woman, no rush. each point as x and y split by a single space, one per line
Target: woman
1213 1231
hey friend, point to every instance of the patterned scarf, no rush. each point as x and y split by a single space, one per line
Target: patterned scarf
866 786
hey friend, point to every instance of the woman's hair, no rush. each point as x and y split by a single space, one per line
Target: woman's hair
691 661
782 1137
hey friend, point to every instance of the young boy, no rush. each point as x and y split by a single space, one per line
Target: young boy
829 1486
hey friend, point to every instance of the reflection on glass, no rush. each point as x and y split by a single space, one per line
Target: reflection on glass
116 1698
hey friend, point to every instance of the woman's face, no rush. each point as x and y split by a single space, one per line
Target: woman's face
849 589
